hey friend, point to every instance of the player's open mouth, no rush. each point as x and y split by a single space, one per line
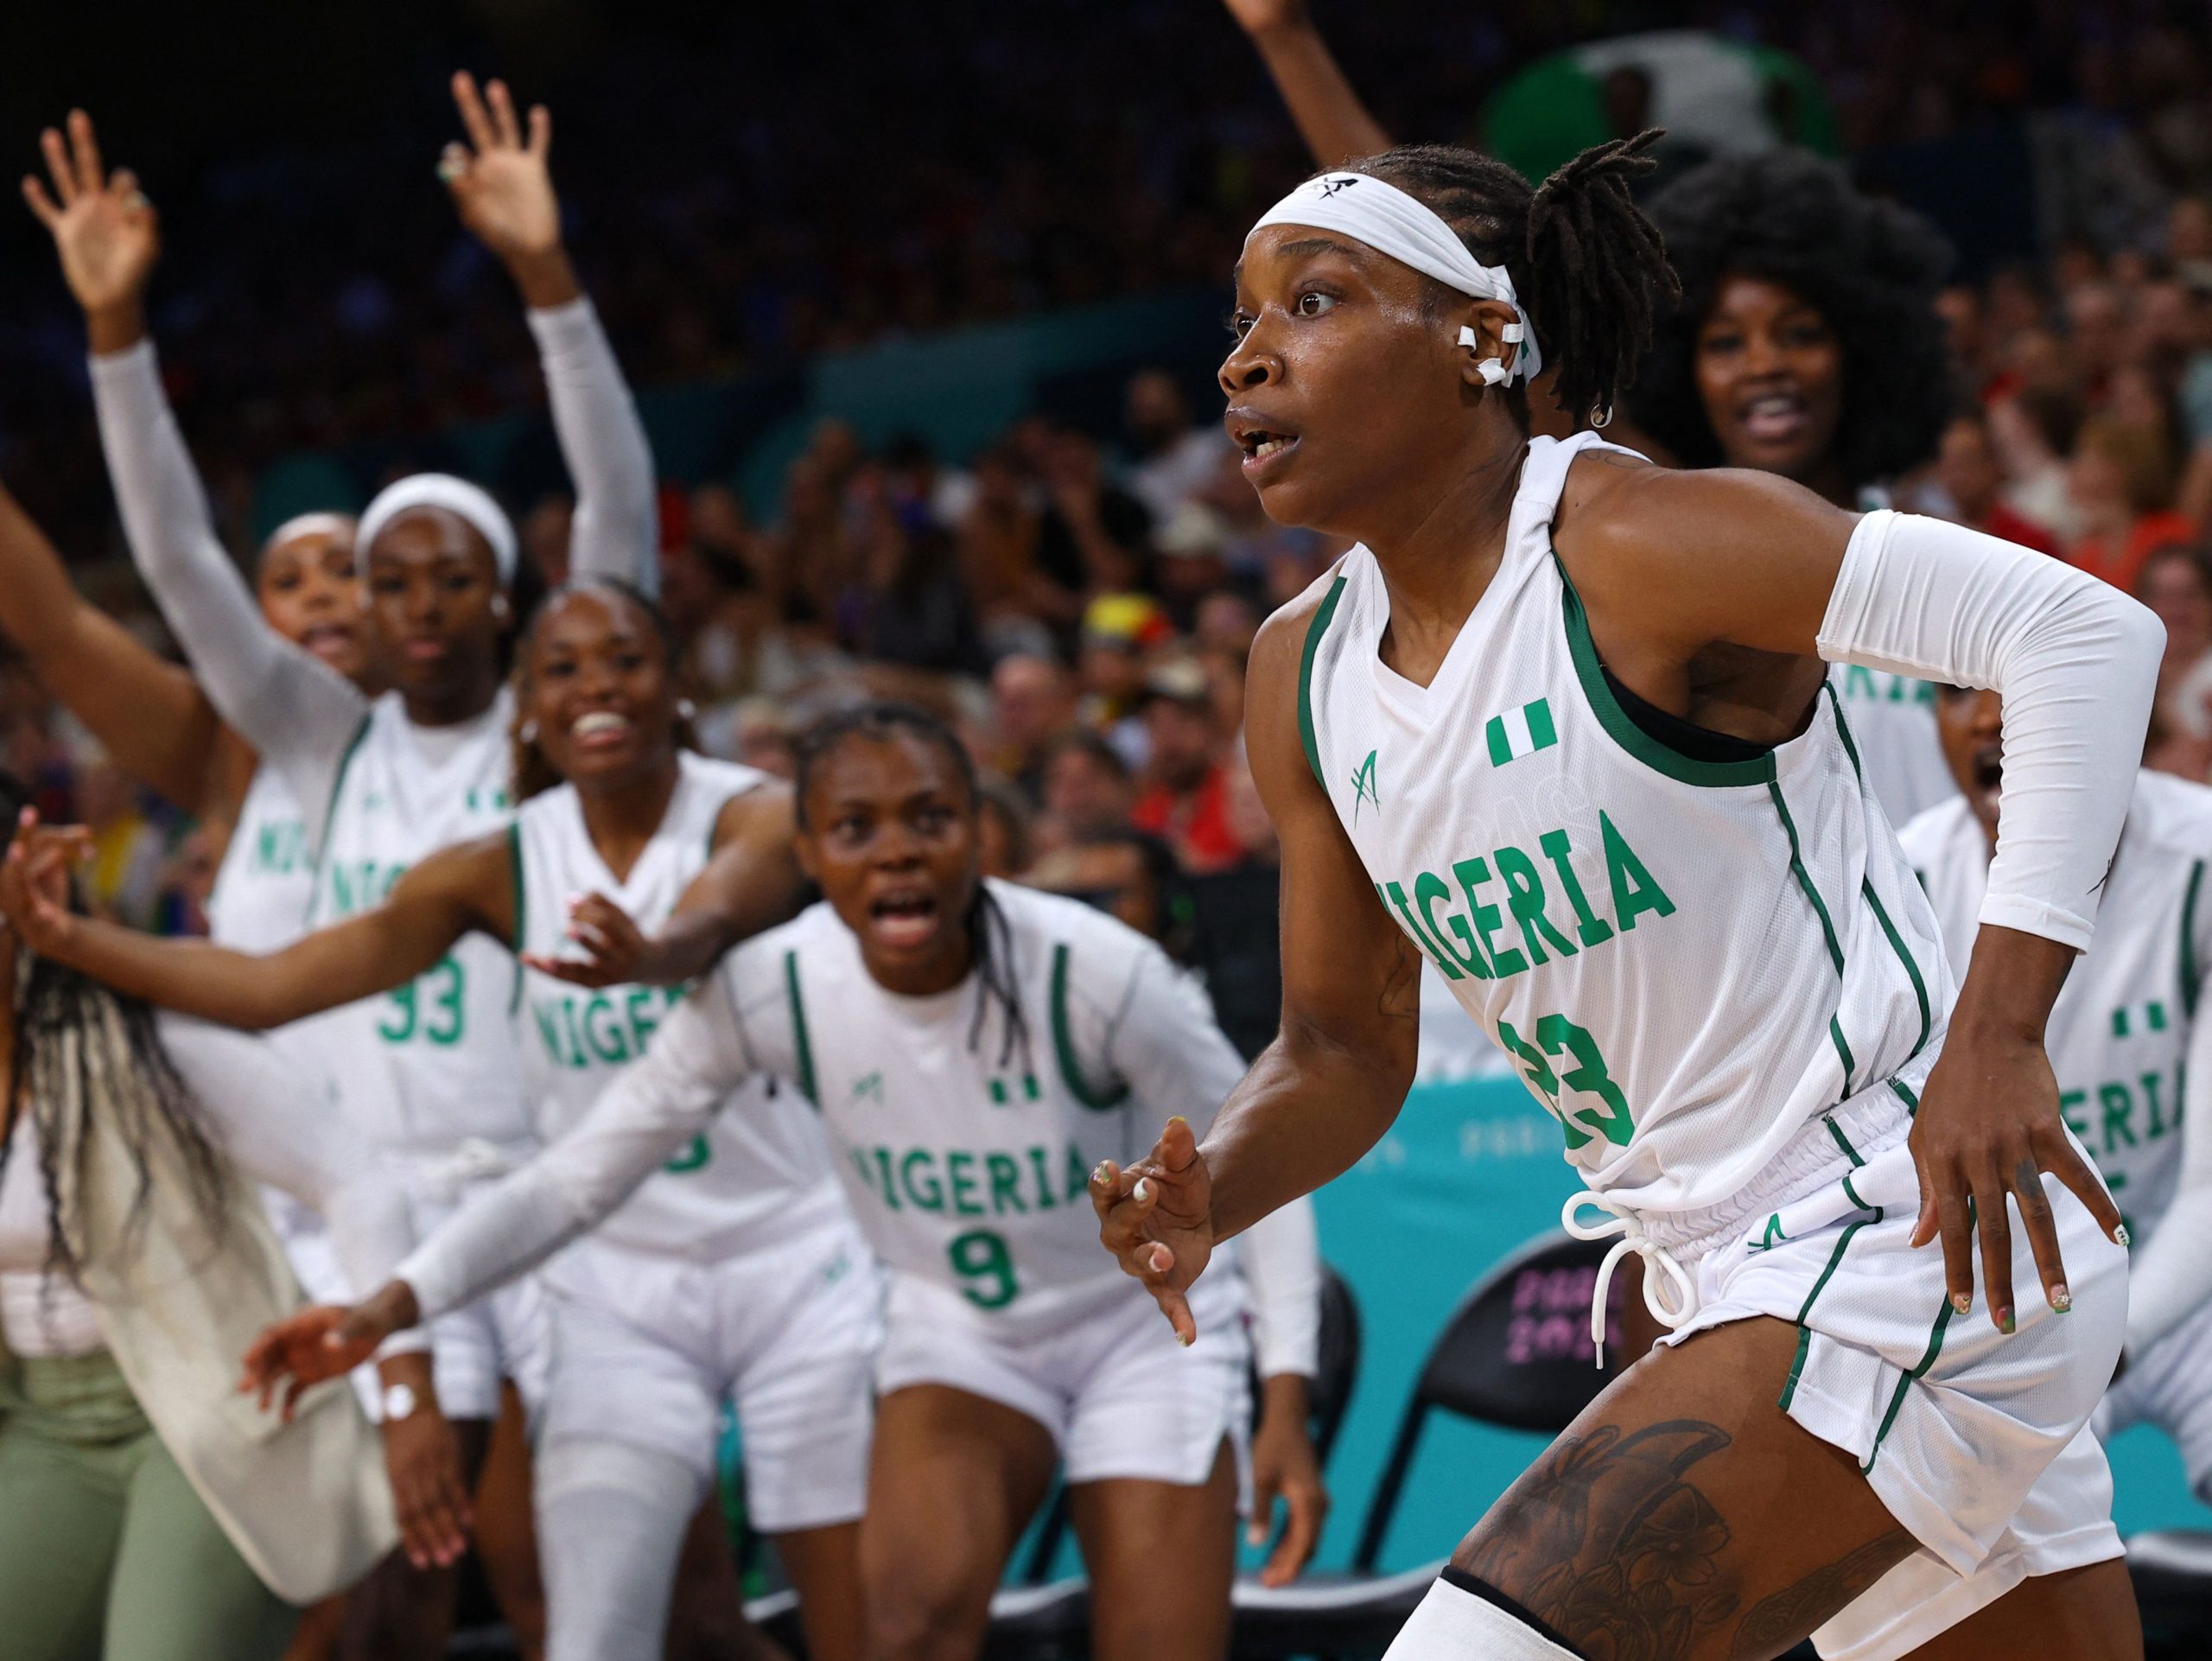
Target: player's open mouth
1773 417
430 649
901 920
329 640
600 730
1989 774
1262 445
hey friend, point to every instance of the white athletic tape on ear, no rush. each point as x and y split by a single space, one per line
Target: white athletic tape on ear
472 503
1389 221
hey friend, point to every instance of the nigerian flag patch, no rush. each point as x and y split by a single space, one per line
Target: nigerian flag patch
1520 732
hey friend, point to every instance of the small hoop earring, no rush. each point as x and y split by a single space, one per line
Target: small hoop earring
527 732
1601 416
500 608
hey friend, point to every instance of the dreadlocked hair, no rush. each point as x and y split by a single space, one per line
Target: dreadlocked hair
529 773
990 936
81 1049
1590 270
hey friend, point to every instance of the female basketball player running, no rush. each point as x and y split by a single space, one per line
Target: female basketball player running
735 1270
1560 724
428 757
2129 1052
974 1049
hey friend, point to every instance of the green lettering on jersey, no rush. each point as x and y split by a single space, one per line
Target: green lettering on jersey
1434 950
1859 682
1039 1163
1429 888
2151 1083
960 1171
1524 898
604 1030
2119 1105
1006 1183
1590 928
2074 1098
883 1165
925 1195
1635 889
1505 961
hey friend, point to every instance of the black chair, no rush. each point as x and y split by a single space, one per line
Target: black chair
2172 1572
1516 1353
1337 1369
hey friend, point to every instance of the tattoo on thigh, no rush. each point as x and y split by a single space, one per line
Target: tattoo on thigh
1612 1547
1776 1623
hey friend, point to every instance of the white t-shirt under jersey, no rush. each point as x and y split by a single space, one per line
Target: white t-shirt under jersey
1716 976
739 1181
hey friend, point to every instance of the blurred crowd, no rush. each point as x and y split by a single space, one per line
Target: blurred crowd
1081 601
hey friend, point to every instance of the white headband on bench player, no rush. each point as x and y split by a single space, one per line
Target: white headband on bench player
1389 221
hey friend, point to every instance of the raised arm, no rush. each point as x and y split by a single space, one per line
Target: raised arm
752 883
1330 118
296 712
1670 564
148 714
503 190
468 886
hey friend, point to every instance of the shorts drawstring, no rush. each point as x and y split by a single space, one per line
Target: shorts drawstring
1671 1277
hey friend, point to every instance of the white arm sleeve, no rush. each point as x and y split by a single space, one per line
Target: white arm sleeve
282 1129
654 1107
2075 661
2172 1276
296 711
617 529
1165 1042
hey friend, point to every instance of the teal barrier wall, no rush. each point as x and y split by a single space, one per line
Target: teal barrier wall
1471 1170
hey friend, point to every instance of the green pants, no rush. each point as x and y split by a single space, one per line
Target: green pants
106 1554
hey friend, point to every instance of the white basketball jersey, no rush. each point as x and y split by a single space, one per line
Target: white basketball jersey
432 1064
266 881
1893 721
967 1158
763 1153
1691 962
2119 1030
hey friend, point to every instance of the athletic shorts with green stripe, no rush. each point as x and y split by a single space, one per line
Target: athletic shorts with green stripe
1976 1441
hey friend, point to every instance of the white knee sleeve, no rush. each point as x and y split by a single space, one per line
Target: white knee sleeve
1452 1623
611 1521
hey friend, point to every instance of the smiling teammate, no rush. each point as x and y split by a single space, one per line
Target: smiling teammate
1614 801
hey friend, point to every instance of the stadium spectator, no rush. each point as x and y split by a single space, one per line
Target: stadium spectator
1033 705
1185 799
2176 583
1176 456
2122 487
1967 469
1088 791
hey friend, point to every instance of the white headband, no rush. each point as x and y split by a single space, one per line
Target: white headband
1389 221
470 503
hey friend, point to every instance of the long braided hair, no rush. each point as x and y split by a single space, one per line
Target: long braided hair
990 936
1590 270
80 1049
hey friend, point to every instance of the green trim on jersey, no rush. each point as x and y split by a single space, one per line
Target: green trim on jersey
1323 616
1904 956
337 787
1905 1381
521 941
1843 729
2191 974
1097 1101
805 1051
1805 1310
1623 731
1844 1142
1828 926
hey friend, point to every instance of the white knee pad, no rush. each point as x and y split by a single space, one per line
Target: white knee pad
1453 1624
611 1521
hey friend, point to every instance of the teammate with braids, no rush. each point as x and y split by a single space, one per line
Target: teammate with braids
1804 342
662 1314
1561 723
976 1050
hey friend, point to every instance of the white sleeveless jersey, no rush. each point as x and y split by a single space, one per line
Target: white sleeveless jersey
2120 1028
266 881
1893 721
766 1151
968 1163
432 1064
1698 967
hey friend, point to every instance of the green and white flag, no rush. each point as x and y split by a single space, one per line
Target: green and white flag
1520 732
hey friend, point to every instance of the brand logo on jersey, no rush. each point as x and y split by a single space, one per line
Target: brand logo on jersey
280 847
1520 732
1468 935
1362 788
869 1089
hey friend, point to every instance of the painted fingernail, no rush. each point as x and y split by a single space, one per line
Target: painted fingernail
2062 1300
1961 1301
2119 1235
1098 1172
1183 1340
1142 1192
1177 1118
2005 1324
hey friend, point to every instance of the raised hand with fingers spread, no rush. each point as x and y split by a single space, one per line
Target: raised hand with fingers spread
104 228
503 188
1156 1218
